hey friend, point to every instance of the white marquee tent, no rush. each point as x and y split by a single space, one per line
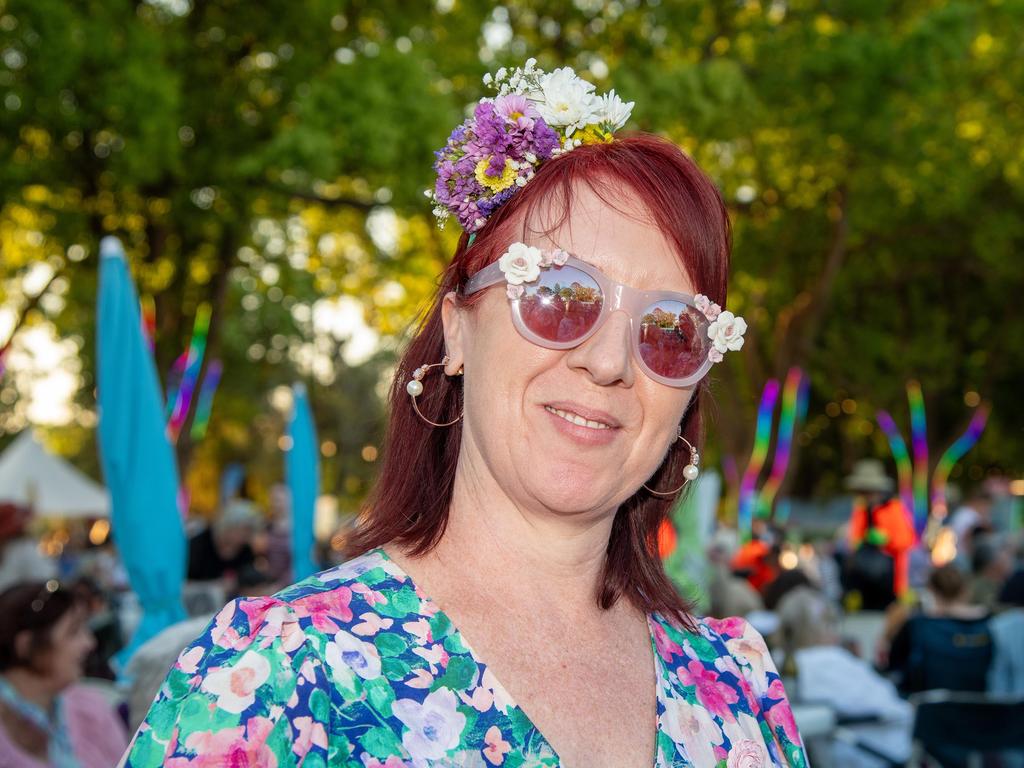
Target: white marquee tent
49 484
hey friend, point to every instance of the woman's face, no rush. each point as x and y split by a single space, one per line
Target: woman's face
513 388
70 644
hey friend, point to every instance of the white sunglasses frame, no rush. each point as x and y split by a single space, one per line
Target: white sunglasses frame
618 297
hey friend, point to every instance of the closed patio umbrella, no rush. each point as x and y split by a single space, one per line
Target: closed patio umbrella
302 468
138 462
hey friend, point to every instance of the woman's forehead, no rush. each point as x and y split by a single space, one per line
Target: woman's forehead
619 237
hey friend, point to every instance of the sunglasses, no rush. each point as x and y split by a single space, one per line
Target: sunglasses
559 301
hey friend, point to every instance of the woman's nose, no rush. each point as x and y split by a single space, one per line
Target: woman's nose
605 357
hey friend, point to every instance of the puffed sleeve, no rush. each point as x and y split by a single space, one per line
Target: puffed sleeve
764 686
252 690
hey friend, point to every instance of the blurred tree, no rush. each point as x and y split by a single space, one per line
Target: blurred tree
259 157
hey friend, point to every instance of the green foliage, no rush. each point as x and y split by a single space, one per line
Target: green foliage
869 154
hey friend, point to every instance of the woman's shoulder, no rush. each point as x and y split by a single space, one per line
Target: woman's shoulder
731 645
706 637
324 602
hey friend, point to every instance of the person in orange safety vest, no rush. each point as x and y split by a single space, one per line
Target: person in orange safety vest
876 511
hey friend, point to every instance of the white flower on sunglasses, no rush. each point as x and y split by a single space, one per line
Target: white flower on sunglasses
520 264
726 334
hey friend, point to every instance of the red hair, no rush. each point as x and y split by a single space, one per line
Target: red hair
409 505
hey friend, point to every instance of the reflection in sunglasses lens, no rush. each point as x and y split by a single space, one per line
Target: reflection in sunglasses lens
673 339
562 305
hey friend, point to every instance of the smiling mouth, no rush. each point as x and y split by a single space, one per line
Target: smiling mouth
575 418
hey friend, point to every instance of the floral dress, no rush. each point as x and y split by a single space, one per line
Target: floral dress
357 667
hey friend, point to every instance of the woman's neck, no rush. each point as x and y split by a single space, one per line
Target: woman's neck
531 555
32 688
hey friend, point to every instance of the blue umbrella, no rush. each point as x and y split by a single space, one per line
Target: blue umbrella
138 462
302 468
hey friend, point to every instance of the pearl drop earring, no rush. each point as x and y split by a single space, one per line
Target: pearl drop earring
691 471
415 389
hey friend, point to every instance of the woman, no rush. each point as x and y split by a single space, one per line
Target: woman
45 719
506 605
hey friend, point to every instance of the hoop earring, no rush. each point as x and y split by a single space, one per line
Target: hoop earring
690 471
415 389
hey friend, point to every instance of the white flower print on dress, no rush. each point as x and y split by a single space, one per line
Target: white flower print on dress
235 686
349 652
434 727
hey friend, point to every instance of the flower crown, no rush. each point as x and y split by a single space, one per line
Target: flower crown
535 116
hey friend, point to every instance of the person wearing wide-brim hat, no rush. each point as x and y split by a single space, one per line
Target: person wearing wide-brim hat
880 518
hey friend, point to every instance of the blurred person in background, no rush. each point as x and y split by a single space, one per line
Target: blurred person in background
806 616
46 719
223 549
1006 675
20 558
975 512
881 521
728 593
104 625
947 643
991 566
277 543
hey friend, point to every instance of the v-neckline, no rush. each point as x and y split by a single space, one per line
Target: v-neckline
514 705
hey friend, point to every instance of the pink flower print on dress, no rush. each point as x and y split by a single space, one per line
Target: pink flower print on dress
420 628
372 596
371 624
748 754
779 714
667 647
189 660
435 655
692 727
481 699
311 734
292 636
749 651
223 634
421 678
391 762
322 608
495 747
711 692
235 686
733 626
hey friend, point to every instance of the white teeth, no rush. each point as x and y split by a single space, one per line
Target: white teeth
575 418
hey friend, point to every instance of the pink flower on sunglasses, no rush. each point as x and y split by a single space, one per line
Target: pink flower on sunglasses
708 308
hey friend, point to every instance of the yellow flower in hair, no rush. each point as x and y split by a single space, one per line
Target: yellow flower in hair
496 183
593 134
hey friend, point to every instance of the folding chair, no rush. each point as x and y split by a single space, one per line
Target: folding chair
963 730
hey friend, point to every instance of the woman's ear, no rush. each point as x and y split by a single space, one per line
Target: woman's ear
453 318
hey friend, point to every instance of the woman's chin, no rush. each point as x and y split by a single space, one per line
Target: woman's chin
578 492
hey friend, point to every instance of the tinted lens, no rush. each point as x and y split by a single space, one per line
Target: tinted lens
562 305
673 339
